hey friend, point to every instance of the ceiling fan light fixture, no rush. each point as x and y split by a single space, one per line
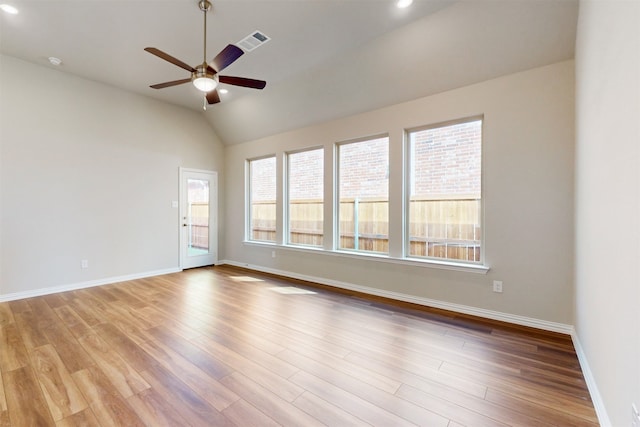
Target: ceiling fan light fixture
204 80
205 84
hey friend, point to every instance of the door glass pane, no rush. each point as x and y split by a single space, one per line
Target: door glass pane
197 216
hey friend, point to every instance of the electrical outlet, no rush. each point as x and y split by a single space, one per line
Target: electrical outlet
635 416
273 254
84 264
497 286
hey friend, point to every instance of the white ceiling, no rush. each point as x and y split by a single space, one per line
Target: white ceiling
326 58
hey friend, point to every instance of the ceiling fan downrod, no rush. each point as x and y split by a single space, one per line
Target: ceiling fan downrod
205 6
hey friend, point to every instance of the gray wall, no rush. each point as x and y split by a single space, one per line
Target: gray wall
608 200
528 192
88 171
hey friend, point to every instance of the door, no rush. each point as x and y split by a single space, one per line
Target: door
198 218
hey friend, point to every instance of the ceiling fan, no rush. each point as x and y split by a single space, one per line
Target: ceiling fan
205 76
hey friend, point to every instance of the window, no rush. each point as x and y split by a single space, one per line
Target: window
306 197
363 191
445 191
262 193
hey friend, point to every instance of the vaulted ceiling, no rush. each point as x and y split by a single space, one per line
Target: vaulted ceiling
326 58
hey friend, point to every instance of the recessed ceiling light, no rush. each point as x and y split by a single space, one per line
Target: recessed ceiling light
55 61
9 9
223 91
403 3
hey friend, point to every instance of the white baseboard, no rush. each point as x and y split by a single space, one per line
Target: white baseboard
82 285
458 308
596 398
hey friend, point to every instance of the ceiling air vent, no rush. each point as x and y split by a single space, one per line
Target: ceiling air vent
253 40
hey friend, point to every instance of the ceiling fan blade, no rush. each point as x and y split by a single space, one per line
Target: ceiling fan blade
169 58
226 57
169 84
213 97
243 81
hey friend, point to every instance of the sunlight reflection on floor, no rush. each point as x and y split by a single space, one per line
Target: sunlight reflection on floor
245 279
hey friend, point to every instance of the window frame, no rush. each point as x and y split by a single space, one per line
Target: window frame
287 197
336 193
408 164
249 199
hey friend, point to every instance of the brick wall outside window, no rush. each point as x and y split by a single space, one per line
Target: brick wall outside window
364 169
446 161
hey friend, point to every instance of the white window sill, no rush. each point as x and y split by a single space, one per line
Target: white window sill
416 262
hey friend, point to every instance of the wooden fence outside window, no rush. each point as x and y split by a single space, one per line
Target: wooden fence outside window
448 229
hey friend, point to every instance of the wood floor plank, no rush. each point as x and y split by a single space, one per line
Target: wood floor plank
90 305
13 354
126 348
541 395
124 323
426 375
71 353
242 413
212 391
103 398
29 324
252 352
478 405
355 405
195 410
153 410
357 390
446 408
55 300
86 311
46 315
26 405
212 365
84 418
326 412
3 398
72 320
120 311
265 400
6 314
60 391
385 383
547 415
125 379
259 374
18 306
227 327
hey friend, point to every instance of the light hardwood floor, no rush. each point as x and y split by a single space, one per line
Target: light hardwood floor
219 346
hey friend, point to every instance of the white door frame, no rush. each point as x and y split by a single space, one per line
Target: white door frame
212 256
